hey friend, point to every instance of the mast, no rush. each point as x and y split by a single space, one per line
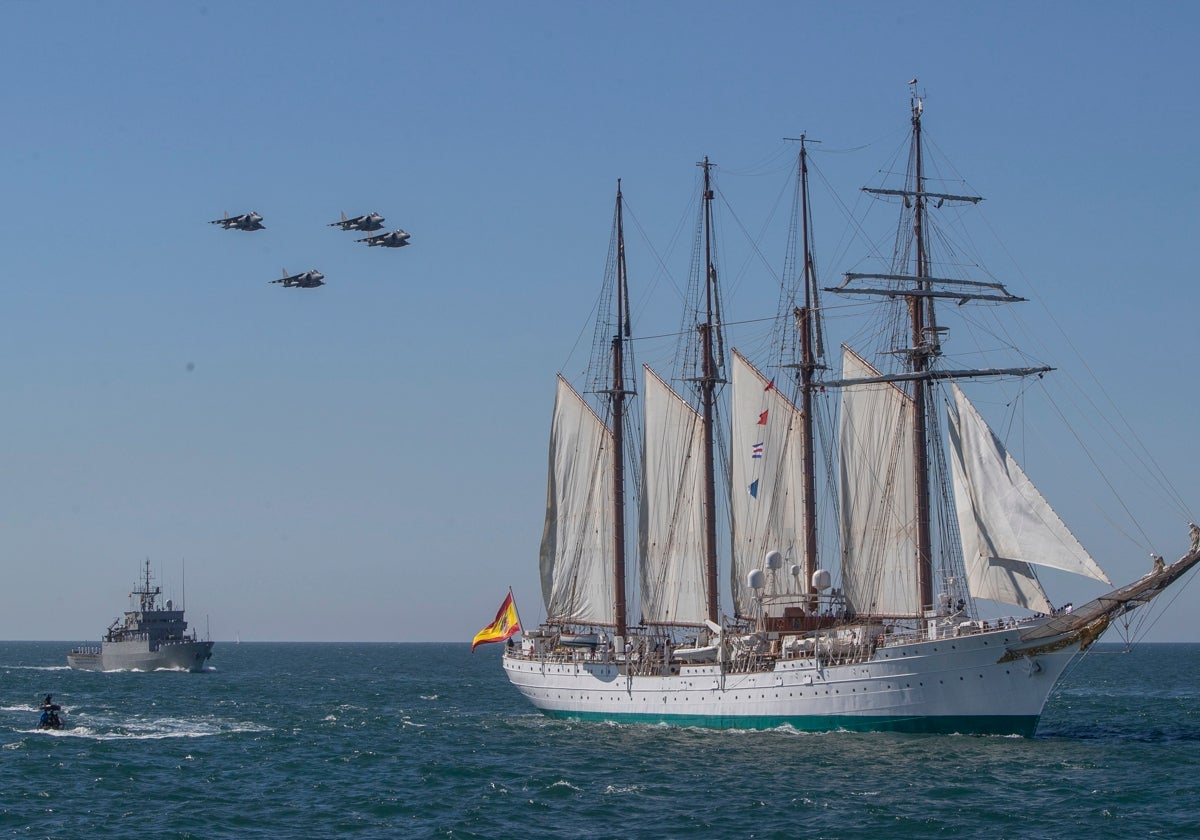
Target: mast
617 395
583 553
805 320
145 594
919 291
708 385
924 345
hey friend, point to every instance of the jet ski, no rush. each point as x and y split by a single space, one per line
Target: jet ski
50 718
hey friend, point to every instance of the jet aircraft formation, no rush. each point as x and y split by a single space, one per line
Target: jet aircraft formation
313 278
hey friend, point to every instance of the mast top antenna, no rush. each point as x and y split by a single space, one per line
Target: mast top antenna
918 104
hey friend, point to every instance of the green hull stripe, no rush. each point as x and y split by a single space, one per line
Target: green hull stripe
962 724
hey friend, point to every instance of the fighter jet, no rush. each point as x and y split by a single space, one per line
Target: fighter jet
367 223
395 239
246 221
304 280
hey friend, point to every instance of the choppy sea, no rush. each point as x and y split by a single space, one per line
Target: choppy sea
428 740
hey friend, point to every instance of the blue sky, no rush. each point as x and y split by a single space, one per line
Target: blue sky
366 461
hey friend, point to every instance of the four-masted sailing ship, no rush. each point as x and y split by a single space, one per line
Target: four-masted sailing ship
898 643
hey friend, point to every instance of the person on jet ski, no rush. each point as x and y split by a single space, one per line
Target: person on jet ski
50 710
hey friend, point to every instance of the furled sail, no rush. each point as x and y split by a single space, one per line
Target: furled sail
671 518
766 471
878 502
577 543
1006 524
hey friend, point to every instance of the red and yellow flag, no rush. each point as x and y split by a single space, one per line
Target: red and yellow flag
504 627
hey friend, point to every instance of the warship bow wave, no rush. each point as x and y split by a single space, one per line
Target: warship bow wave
900 643
150 638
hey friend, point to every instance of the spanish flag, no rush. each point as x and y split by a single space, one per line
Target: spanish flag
504 627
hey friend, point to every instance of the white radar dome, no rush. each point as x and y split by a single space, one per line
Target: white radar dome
774 559
821 580
755 579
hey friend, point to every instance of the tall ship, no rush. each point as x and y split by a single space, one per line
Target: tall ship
904 624
151 637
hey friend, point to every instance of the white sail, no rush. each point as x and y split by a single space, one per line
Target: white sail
878 503
577 543
766 472
671 519
1006 524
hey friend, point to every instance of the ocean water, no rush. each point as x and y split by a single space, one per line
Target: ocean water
428 740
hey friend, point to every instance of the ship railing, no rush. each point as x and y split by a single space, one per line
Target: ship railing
949 627
655 663
654 656
638 661
555 655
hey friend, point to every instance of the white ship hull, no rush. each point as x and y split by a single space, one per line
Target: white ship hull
987 683
138 656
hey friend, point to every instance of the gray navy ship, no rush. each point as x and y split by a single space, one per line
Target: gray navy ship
149 638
